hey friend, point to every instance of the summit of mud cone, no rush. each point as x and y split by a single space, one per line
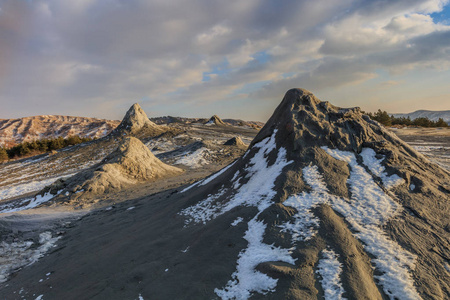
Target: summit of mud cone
215 120
304 120
134 120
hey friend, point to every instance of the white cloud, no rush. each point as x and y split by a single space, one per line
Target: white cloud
215 32
122 51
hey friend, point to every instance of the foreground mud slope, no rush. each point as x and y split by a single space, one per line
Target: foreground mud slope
325 203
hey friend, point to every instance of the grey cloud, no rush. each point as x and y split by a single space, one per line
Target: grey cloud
120 51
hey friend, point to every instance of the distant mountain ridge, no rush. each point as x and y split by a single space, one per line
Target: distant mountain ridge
432 115
234 122
27 129
15 131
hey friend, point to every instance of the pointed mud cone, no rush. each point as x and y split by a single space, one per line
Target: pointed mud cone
235 141
135 119
130 163
331 204
215 120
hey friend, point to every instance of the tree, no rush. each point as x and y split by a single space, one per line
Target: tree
382 117
3 154
73 140
441 123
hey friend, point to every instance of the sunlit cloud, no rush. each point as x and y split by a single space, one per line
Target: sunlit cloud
96 57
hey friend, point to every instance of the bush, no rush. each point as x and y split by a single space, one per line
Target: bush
40 146
3 154
384 118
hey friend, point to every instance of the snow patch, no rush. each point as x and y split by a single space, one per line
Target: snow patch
205 210
190 187
20 189
257 192
369 203
367 211
304 224
209 179
330 269
246 279
194 159
374 165
40 297
20 254
214 176
32 203
412 187
237 221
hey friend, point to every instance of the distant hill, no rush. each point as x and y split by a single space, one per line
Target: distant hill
27 129
234 122
432 115
15 131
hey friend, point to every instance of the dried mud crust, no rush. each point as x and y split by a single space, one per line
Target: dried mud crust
434 143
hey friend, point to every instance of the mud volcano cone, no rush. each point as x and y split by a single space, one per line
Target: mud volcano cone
235 141
215 120
332 205
325 204
134 121
132 162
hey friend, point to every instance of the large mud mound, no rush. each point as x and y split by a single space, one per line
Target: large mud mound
215 120
135 120
341 208
235 141
132 162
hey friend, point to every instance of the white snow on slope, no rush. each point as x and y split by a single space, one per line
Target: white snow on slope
237 221
205 210
32 203
304 224
194 159
258 191
367 210
35 185
20 254
210 178
246 279
369 203
377 169
217 174
30 176
330 269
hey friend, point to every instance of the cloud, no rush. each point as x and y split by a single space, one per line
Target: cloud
60 53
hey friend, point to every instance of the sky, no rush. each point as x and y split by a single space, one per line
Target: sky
236 59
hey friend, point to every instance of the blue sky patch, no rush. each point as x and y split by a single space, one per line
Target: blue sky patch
442 16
